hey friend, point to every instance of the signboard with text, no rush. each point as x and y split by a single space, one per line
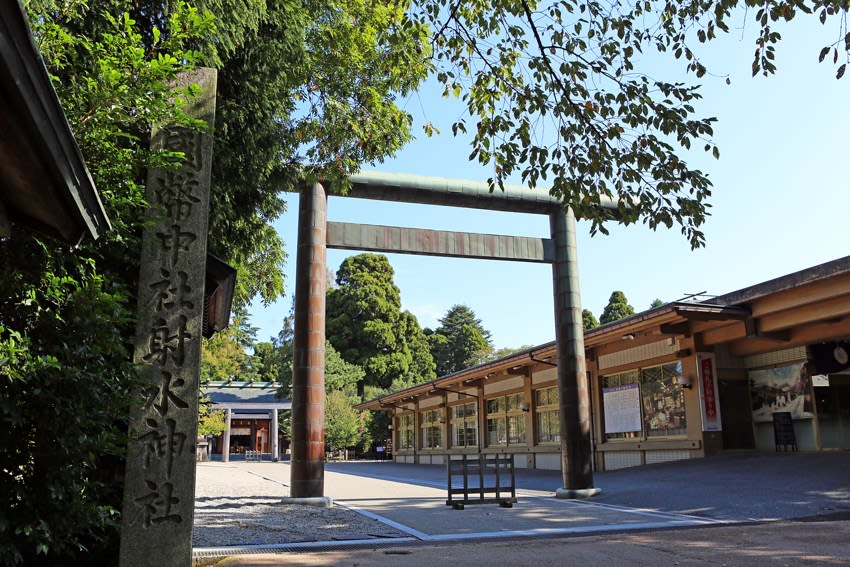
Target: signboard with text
709 392
622 408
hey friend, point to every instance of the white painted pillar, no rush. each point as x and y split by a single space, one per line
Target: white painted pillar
274 434
225 440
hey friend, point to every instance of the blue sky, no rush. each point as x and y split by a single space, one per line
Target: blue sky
779 204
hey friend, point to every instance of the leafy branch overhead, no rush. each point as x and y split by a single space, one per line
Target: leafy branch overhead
555 95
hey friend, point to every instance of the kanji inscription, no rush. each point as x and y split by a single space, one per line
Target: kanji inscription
160 477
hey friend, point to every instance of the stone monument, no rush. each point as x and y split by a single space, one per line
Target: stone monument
159 485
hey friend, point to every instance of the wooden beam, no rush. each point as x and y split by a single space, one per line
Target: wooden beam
698 312
724 334
799 336
753 330
821 311
682 328
823 290
378 238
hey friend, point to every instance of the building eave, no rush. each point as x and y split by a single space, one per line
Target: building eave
794 280
44 182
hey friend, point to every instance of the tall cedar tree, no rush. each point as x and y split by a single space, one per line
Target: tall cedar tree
366 325
588 320
460 341
618 308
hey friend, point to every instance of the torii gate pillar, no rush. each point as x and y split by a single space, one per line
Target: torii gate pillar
308 376
576 454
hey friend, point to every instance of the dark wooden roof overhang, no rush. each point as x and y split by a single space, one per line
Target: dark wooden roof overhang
670 319
701 312
802 308
219 286
809 306
44 182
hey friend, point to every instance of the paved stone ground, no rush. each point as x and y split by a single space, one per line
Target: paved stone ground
790 509
779 544
237 507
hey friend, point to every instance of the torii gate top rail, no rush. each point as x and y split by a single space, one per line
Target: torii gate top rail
429 190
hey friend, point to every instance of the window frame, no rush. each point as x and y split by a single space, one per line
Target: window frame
467 422
431 427
503 410
405 432
547 412
661 400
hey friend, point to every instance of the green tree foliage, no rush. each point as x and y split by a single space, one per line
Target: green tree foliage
588 320
460 341
507 351
211 423
554 94
65 317
618 308
656 303
267 362
225 357
305 89
366 326
414 345
222 359
340 376
342 421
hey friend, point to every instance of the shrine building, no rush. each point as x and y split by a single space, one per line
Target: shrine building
685 380
251 414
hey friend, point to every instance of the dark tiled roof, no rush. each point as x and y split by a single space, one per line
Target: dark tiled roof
243 393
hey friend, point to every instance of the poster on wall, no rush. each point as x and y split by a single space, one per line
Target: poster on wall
783 389
709 392
622 408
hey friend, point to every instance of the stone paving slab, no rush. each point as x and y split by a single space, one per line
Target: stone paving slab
776 544
407 503
235 506
418 508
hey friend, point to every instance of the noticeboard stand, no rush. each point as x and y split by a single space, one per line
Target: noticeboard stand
481 479
783 431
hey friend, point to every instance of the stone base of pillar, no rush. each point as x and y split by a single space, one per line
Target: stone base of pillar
570 493
316 501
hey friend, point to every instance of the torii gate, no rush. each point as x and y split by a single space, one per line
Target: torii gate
316 234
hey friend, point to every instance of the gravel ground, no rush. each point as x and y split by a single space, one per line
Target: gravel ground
250 513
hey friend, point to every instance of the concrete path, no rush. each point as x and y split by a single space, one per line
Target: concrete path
780 544
729 489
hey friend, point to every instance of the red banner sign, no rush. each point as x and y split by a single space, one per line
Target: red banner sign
707 372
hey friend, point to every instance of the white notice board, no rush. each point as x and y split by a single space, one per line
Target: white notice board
622 408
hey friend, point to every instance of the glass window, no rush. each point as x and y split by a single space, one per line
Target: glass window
464 425
505 420
404 429
496 405
516 429
659 400
663 401
547 415
624 382
432 429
